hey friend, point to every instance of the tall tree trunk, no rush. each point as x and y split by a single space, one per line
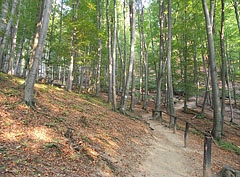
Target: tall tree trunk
185 51
7 32
145 54
169 72
132 106
14 40
114 58
43 25
222 45
3 18
146 72
109 55
125 52
161 70
229 96
217 121
50 42
70 72
121 61
231 73
237 15
131 59
141 61
99 21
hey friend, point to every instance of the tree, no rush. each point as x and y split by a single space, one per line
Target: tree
3 18
70 72
114 58
217 121
109 55
131 59
169 73
237 15
7 33
42 26
99 23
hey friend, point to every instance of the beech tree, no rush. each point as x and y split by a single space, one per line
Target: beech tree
217 121
131 58
42 27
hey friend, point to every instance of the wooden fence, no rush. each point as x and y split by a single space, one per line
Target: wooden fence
207 140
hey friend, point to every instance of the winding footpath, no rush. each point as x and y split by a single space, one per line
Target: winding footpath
166 157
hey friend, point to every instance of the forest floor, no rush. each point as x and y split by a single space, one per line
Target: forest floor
188 161
70 134
73 134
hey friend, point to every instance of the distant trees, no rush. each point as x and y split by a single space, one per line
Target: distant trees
129 48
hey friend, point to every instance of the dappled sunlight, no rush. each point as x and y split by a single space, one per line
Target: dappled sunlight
40 133
41 86
12 136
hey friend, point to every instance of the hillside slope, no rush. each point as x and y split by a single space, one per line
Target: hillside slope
69 134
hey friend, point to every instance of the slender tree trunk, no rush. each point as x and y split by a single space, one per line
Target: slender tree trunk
217 121
132 106
70 72
121 60
7 32
222 45
161 70
99 20
50 42
125 52
185 51
43 25
169 72
141 59
232 77
14 40
114 58
229 96
237 15
131 60
3 18
109 55
145 53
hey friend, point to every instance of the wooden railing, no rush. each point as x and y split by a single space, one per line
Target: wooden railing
207 140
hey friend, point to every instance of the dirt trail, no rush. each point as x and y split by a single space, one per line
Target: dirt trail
166 157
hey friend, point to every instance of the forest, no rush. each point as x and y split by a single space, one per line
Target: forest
138 61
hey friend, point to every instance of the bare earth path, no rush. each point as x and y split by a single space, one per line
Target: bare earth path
166 157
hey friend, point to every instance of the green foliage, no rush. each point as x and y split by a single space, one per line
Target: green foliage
228 146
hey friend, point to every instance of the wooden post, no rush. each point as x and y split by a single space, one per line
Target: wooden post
186 134
175 125
207 157
160 117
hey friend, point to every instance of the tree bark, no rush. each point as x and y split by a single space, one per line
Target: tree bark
222 45
99 21
161 68
43 25
14 40
237 15
70 72
131 59
109 55
7 32
125 52
217 121
3 18
114 58
169 72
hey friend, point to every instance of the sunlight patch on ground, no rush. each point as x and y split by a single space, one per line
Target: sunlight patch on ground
40 133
